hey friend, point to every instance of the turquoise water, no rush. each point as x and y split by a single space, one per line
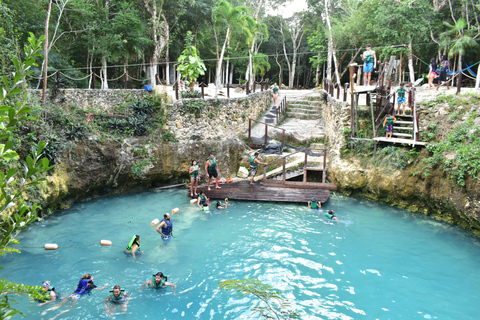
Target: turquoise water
379 263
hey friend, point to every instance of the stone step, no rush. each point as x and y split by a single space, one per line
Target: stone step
403 128
301 106
304 116
304 111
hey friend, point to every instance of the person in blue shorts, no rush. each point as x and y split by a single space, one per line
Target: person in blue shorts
401 100
389 120
369 58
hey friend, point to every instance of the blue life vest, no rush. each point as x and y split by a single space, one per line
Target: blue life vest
84 287
168 229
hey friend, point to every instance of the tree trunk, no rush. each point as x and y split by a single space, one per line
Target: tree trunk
218 76
103 73
410 62
45 51
317 74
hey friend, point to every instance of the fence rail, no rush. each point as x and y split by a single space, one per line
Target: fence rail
258 146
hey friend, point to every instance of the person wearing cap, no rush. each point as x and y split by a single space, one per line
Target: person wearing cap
254 162
331 215
48 290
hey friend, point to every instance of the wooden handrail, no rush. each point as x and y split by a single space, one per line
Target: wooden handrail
266 131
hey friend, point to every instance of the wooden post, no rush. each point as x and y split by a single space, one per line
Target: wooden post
228 89
125 82
202 85
266 133
284 173
94 80
57 84
283 140
324 173
176 90
254 85
267 84
338 91
305 167
249 130
345 88
368 98
246 88
477 81
261 85
459 80
157 80
410 100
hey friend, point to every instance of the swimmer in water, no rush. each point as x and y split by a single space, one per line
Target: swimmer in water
314 204
85 286
159 281
117 296
331 215
134 246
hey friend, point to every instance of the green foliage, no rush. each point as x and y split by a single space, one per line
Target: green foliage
194 106
169 137
190 65
17 177
392 157
139 166
187 94
458 156
273 306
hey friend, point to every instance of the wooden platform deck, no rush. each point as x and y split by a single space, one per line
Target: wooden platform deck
398 140
270 190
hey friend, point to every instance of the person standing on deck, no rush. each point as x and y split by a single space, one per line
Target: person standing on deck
369 58
211 168
254 162
165 228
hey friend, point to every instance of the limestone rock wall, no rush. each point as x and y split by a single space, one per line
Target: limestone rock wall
91 98
434 195
218 119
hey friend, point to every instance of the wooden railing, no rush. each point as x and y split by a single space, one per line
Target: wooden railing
258 146
281 113
305 165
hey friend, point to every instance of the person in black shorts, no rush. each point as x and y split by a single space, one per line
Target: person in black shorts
211 168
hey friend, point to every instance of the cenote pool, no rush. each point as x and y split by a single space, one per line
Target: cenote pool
380 263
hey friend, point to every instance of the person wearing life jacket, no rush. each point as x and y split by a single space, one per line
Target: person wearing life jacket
401 100
369 58
133 246
85 286
193 172
314 204
202 199
165 228
211 168
221 206
444 72
254 162
117 296
275 93
48 290
331 215
389 120
158 281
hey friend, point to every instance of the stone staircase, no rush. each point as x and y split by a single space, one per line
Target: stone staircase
304 108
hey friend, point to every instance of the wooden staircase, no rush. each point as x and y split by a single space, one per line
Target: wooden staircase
403 127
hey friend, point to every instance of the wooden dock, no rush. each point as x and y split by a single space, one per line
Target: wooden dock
270 190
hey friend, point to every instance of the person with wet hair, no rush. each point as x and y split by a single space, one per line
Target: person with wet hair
158 281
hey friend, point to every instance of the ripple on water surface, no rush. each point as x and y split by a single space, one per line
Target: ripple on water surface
379 262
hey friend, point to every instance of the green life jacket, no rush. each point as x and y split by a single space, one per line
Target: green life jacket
154 284
389 121
275 89
401 92
369 57
314 205
130 244
253 164
194 173
328 215
121 297
206 209
213 165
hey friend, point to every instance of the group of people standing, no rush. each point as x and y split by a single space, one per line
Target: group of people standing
442 73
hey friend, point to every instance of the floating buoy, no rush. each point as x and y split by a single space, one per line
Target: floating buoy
229 180
193 201
175 210
51 246
154 222
105 242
